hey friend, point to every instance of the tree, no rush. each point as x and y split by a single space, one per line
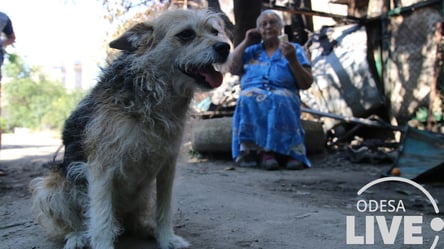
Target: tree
245 14
33 101
125 13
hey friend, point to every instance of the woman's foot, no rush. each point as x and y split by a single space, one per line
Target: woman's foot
293 164
246 159
268 161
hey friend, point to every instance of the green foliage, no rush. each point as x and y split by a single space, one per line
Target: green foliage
35 103
422 114
61 108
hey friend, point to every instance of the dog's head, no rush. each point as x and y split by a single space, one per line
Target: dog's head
186 42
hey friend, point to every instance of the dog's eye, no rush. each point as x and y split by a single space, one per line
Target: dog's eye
214 31
186 35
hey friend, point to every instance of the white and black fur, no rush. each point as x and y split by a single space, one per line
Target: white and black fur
122 141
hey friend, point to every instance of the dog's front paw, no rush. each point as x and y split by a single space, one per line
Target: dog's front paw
173 242
102 242
76 240
102 245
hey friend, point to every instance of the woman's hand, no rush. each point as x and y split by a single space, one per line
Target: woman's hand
288 50
302 74
252 36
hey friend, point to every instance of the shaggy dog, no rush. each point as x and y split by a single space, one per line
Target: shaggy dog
122 141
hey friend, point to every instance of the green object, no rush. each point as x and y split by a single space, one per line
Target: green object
422 155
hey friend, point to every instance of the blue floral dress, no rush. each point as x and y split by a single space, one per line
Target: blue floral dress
268 109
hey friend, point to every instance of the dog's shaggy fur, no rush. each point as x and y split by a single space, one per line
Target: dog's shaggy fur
122 141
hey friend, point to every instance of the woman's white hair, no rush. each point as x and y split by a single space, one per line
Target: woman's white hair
269 12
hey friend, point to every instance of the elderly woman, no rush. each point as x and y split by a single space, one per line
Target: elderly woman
266 123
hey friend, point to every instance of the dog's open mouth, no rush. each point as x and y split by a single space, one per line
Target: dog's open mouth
205 76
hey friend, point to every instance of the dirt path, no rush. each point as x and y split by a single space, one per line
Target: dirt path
221 207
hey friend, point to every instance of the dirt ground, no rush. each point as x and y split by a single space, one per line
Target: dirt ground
219 206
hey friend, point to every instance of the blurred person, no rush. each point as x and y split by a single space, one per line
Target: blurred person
9 38
8 31
266 124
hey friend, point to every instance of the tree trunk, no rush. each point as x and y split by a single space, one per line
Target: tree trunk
245 14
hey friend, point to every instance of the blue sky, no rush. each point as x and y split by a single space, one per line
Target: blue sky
54 32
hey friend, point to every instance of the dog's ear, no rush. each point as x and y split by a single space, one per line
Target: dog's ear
133 38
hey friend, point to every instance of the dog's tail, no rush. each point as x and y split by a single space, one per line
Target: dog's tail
58 204
54 164
73 171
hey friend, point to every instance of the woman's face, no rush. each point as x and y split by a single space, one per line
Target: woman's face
269 27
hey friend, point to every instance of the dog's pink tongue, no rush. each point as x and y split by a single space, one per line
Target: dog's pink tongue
213 77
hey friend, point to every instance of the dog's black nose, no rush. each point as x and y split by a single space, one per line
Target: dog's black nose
222 49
